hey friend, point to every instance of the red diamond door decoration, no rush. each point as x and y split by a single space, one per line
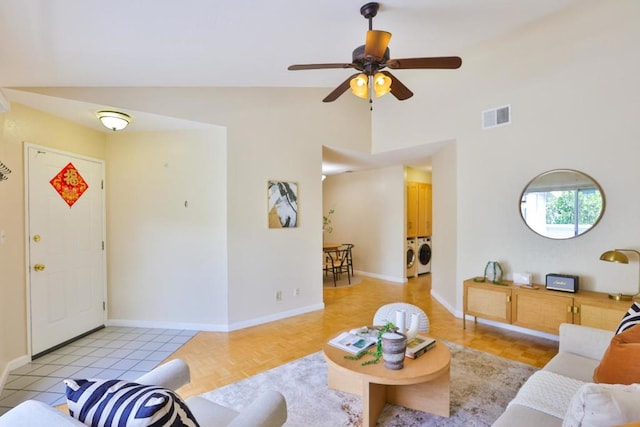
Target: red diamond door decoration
69 184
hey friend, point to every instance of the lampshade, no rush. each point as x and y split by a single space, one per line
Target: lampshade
114 120
616 255
381 84
360 85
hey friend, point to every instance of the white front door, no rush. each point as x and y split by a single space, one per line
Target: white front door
65 229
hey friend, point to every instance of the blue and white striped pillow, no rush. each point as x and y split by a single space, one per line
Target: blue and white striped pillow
631 318
114 403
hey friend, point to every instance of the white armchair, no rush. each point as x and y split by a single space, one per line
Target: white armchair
269 410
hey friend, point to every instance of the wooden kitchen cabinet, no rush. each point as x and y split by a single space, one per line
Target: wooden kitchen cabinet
424 209
419 223
412 209
540 309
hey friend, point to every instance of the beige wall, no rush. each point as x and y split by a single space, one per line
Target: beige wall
272 133
417 175
369 212
166 224
20 125
445 220
572 84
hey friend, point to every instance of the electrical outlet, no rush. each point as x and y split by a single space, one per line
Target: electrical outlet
296 292
278 295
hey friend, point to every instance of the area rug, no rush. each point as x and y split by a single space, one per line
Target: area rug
327 281
481 387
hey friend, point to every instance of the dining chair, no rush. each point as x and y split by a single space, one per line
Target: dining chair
348 247
336 262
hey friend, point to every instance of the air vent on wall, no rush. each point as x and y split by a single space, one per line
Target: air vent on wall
496 117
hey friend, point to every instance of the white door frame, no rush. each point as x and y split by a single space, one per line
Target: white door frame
26 148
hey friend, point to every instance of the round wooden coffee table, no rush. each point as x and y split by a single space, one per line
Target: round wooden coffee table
422 384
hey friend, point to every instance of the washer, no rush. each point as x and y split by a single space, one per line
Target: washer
412 259
424 255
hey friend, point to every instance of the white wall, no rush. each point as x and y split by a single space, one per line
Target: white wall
572 84
167 237
369 212
445 220
272 133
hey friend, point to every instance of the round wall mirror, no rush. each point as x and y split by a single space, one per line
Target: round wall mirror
562 204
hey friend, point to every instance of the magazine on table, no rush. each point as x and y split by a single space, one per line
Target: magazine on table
419 345
353 343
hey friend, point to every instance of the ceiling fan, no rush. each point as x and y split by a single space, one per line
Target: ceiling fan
372 58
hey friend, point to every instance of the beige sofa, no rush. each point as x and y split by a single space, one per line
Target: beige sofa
563 392
269 410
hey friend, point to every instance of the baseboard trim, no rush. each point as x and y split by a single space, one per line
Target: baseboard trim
382 277
212 327
11 365
276 316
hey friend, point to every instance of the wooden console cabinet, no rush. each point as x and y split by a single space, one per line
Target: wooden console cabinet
540 309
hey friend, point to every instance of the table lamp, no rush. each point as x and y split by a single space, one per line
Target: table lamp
617 255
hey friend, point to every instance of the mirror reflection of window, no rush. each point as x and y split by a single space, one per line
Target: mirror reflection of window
562 204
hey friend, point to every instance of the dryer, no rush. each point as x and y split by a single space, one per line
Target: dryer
412 259
424 255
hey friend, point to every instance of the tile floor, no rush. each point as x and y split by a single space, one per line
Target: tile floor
113 352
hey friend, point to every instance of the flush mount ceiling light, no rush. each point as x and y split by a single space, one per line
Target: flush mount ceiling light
114 120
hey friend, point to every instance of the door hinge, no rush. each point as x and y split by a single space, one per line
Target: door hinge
102 184
103 245
104 306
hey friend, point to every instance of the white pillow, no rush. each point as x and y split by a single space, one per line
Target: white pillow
603 405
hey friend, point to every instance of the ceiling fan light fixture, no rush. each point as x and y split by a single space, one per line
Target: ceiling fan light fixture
114 120
381 84
360 85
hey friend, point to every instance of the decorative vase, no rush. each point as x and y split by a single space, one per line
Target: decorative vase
401 320
394 345
413 327
493 272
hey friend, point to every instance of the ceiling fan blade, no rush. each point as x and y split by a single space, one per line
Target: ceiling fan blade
339 90
319 66
376 43
398 89
448 62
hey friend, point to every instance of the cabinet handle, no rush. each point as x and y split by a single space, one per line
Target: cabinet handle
569 309
576 309
508 298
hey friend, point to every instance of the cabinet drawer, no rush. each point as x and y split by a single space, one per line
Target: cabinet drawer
541 311
603 316
493 304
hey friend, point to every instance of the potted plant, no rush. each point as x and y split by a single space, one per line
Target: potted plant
326 221
388 327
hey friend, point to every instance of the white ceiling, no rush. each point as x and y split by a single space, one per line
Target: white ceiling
227 43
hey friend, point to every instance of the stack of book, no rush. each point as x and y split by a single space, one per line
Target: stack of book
419 346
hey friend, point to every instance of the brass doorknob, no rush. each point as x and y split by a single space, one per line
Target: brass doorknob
38 267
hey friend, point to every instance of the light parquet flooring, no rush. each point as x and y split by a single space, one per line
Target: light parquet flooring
220 358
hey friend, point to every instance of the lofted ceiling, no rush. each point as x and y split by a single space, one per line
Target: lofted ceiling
246 43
